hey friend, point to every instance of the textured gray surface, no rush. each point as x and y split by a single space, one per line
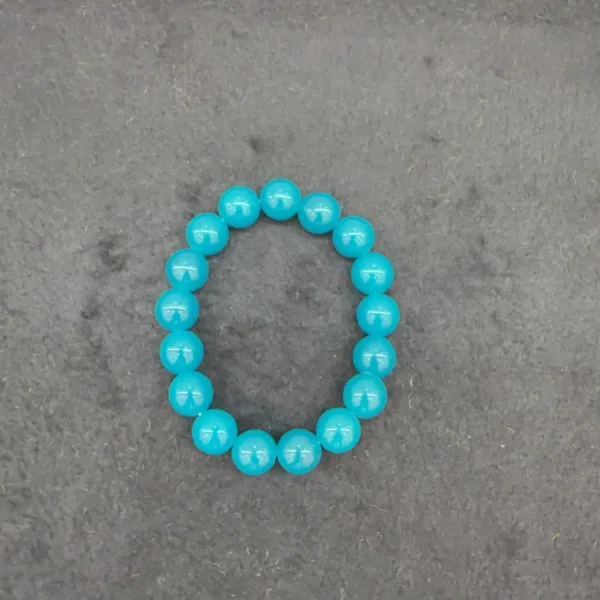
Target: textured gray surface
468 132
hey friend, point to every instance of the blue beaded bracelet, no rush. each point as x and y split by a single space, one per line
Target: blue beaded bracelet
338 430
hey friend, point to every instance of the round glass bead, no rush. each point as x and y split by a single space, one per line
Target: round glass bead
319 212
372 273
365 395
176 310
299 451
239 207
254 452
207 233
353 237
190 393
374 354
181 351
187 269
338 430
280 199
214 431
378 315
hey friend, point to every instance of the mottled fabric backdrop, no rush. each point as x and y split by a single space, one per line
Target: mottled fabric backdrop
468 132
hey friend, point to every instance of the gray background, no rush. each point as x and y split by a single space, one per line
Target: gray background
468 132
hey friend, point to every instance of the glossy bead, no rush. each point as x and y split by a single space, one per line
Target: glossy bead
353 237
378 315
239 207
181 351
207 233
372 273
374 354
365 395
280 199
319 213
338 430
176 310
299 451
254 452
190 393
214 431
187 269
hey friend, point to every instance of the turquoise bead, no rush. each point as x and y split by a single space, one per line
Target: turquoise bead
374 354
181 351
280 199
319 213
372 273
254 452
190 393
207 233
214 431
353 237
176 310
186 269
239 207
378 315
299 451
365 395
338 430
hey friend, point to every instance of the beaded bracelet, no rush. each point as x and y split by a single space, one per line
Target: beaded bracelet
215 431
